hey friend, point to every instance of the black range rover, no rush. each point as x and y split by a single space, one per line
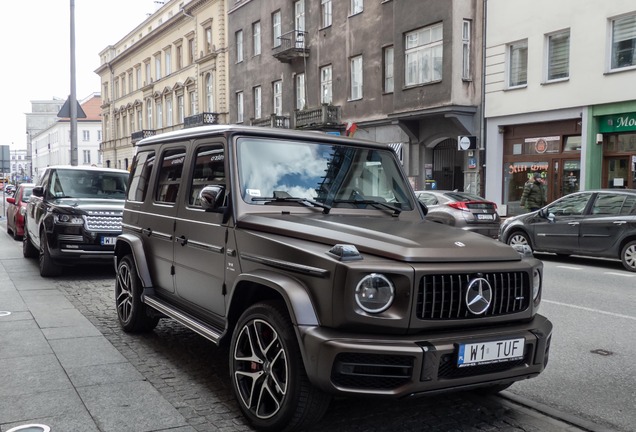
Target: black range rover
74 216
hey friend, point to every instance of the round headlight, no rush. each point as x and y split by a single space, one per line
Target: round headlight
536 283
374 293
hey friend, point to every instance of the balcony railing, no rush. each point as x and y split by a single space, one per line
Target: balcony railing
273 120
201 119
291 45
323 116
139 135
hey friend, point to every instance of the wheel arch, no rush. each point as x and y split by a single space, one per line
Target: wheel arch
129 244
519 229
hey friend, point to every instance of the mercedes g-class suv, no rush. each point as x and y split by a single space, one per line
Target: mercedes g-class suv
74 216
310 256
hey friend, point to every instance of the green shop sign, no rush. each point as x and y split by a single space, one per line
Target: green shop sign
618 123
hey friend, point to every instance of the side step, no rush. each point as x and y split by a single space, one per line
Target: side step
196 325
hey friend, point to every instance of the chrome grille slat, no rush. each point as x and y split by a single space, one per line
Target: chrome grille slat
103 222
441 297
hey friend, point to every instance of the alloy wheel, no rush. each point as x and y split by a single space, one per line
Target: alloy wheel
123 293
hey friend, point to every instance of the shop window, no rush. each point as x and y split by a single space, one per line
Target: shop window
572 143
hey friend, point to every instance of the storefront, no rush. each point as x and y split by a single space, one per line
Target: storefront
551 148
618 138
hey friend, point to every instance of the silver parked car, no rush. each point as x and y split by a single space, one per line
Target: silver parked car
462 210
595 223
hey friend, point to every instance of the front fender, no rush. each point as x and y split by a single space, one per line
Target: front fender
132 243
295 294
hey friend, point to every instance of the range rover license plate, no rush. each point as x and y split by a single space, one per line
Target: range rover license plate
107 241
490 352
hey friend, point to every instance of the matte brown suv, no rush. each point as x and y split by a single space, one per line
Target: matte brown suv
309 254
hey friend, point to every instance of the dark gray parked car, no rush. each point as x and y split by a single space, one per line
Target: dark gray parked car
596 223
310 256
462 210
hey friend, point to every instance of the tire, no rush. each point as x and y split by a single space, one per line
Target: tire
134 316
15 230
628 256
28 250
48 267
267 372
519 238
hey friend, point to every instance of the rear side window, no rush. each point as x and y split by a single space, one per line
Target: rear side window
629 207
141 170
170 175
209 169
608 204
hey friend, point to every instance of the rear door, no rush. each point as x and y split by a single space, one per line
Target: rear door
607 222
200 236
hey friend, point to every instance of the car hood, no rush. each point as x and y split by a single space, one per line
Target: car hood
409 241
86 205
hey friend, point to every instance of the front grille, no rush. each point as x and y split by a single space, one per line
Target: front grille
371 371
443 297
103 222
448 367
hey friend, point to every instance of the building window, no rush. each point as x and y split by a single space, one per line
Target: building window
239 107
139 81
257 102
518 64
158 66
299 15
181 108
123 85
276 28
300 91
357 6
558 55
149 113
140 125
191 52
159 114
131 117
239 46
86 135
87 157
193 102
623 42
424 55
99 136
179 57
208 40
168 53
148 74
326 92
209 93
116 88
277 87
466 50
356 78
256 36
169 119
327 11
388 69
130 82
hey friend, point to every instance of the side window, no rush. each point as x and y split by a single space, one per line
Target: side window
629 207
141 170
208 169
570 206
170 175
609 205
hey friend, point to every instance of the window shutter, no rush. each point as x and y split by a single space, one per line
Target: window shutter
559 56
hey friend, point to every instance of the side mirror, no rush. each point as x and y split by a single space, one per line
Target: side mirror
211 197
38 191
11 200
423 207
551 217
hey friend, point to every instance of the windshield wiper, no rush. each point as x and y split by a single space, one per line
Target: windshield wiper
304 201
374 203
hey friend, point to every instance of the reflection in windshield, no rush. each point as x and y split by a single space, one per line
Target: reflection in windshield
334 175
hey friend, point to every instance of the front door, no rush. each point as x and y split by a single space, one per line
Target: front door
618 173
560 231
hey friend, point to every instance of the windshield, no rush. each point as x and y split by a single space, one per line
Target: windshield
88 184
333 175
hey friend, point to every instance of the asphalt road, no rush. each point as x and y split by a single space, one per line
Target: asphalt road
592 372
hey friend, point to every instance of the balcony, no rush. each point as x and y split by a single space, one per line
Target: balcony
201 119
139 135
292 45
273 120
316 118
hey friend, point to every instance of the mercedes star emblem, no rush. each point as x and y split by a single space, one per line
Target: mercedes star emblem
478 296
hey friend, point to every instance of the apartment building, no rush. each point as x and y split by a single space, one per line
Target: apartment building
168 73
560 96
52 145
43 114
402 72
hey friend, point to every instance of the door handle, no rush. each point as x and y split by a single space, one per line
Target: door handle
619 222
183 240
146 231
574 223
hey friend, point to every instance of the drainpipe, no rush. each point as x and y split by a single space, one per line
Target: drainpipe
482 133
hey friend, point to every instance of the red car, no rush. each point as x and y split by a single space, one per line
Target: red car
16 210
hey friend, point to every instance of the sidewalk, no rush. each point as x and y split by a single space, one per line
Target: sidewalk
57 369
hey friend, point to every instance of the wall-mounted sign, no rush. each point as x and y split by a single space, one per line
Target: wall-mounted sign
466 142
617 123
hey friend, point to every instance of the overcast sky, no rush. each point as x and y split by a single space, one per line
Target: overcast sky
36 56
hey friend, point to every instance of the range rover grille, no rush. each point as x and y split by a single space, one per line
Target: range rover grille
104 221
443 297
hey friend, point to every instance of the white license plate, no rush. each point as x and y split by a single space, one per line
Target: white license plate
490 352
485 216
106 241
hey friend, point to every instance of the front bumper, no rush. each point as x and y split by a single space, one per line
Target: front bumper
399 366
82 246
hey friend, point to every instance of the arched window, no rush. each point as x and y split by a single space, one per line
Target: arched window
209 93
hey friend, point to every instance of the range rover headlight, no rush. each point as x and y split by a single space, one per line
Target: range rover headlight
374 293
66 219
536 283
